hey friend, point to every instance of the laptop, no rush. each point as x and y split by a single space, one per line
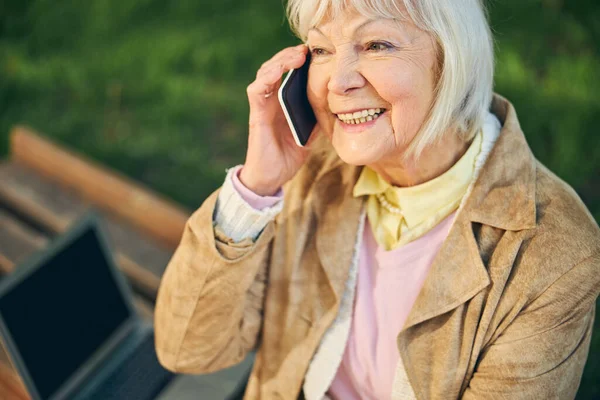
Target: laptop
69 325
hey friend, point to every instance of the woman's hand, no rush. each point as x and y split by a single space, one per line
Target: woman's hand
273 157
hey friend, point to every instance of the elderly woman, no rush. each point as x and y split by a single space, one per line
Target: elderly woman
415 249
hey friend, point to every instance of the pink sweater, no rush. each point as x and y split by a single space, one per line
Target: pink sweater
388 285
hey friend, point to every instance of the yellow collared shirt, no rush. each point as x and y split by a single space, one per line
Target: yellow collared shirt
423 206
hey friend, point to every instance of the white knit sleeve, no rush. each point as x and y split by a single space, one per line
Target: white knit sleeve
238 219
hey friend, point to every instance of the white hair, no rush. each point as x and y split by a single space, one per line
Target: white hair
466 55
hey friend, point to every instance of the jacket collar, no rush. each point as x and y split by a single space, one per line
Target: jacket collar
503 196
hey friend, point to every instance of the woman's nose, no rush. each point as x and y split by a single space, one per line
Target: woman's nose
345 77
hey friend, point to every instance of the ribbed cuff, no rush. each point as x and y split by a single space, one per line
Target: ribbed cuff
238 219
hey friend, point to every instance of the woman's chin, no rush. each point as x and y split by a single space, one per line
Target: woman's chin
362 148
354 156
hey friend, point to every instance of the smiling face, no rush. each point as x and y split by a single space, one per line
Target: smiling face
371 84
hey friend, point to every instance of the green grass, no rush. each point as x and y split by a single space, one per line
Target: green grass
156 89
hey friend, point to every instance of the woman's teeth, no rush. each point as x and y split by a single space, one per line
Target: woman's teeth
360 117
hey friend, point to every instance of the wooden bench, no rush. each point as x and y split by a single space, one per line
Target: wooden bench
44 189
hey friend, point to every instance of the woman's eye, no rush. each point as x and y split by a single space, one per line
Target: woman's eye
378 46
317 51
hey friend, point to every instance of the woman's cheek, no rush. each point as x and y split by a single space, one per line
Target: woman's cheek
316 86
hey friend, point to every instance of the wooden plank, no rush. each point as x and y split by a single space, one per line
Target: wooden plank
17 241
160 218
11 386
54 209
44 203
5 264
4 357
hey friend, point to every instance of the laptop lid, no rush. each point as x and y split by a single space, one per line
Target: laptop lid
64 310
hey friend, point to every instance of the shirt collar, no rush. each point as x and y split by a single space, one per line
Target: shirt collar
418 203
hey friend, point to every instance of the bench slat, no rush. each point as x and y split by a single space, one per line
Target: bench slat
17 241
159 217
11 386
55 209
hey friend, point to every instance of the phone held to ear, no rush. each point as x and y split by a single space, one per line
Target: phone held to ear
294 102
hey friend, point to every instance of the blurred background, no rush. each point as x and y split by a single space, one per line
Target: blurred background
156 89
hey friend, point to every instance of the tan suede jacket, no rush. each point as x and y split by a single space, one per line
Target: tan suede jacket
506 311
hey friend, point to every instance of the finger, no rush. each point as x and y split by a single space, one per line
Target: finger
275 70
269 80
268 84
286 53
284 57
268 77
289 52
282 65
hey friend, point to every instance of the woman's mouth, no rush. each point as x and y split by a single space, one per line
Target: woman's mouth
360 117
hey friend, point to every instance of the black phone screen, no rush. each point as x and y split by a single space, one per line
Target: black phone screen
295 105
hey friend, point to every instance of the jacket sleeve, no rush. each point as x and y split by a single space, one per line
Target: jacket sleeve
541 355
209 306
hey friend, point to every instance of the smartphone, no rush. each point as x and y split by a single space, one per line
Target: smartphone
294 102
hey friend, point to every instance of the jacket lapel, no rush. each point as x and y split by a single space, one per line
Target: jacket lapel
503 196
456 275
338 216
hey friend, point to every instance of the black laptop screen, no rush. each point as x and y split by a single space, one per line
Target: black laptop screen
59 315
